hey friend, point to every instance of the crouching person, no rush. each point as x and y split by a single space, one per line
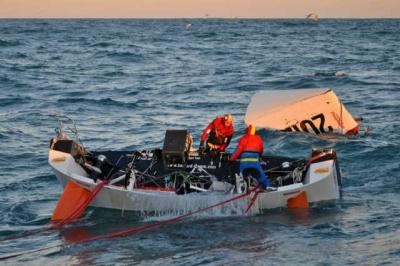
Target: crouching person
249 150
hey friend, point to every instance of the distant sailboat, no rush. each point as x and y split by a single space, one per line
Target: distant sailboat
313 16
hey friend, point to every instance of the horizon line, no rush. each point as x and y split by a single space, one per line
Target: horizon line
205 18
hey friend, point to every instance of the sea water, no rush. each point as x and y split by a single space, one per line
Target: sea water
127 81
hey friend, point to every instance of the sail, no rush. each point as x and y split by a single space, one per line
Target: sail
313 16
314 111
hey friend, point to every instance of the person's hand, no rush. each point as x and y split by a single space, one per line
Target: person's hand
201 150
201 144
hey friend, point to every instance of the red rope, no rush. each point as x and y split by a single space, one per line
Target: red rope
148 226
140 228
253 199
78 212
316 157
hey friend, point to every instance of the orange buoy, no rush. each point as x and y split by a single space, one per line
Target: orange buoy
298 202
72 198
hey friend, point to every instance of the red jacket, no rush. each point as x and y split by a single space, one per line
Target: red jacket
248 143
221 134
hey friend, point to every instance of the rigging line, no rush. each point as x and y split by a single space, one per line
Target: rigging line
65 221
253 199
138 228
78 212
341 116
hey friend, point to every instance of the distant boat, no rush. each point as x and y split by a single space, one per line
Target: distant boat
313 16
188 25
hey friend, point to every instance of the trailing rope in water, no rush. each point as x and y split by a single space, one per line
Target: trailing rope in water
79 211
253 199
143 227
75 214
97 189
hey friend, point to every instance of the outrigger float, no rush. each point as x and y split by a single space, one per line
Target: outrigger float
177 179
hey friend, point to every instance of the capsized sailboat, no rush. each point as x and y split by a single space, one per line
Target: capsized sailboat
315 111
177 179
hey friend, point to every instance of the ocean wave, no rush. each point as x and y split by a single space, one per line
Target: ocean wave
114 74
9 43
19 55
126 56
102 102
206 35
5 79
14 100
288 24
102 44
338 73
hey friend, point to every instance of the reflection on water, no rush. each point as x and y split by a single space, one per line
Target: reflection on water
75 234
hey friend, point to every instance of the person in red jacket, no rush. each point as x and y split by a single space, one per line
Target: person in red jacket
218 134
249 150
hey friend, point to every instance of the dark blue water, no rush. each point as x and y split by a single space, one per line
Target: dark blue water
127 81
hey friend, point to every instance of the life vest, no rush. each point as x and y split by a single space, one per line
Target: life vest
249 143
218 133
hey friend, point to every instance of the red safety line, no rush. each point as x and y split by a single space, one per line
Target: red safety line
253 199
316 157
156 188
148 226
78 211
139 228
319 155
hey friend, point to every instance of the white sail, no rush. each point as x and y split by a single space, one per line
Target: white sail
314 111
313 16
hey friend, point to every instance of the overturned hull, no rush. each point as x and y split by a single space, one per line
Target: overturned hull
315 111
319 179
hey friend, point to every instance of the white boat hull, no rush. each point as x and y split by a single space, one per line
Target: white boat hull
320 184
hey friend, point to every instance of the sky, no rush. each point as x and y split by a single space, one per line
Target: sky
198 8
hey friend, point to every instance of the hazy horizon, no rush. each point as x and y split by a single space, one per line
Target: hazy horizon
176 9
195 18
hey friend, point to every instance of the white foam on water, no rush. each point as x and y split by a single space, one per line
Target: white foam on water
340 73
163 206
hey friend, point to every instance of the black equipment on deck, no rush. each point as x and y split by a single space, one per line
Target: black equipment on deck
177 143
67 146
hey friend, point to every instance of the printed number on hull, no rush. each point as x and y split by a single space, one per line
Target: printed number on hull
317 124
